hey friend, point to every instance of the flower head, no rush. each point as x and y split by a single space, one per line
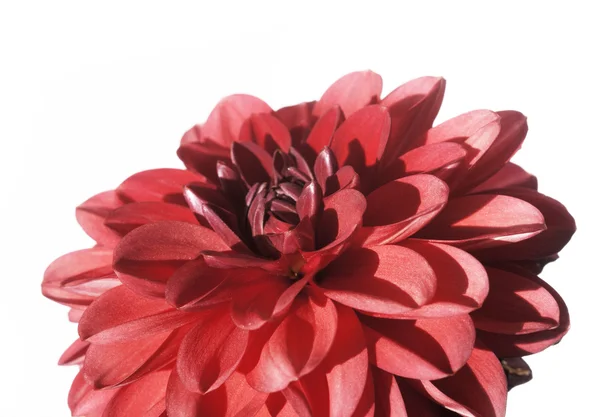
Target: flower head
329 258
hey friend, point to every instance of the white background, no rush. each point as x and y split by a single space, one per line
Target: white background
91 92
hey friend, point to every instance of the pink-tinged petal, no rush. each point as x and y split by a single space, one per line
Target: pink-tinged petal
254 163
462 282
195 286
420 349
384 279
413 107
92 213
342 385
516 305
310 202
77 278
85 401
400 208
202 158
460 128
295 397
121 315
388 399
145 397
322 132
418 404
74 353
149 255
269 133
439 159
298 119
120 363
131 216
194 134
560 227
298 345
512 134
481 221
360 140
510 175
165 184
351 93
510 346
211 352
235 398
225 122
75 313
478 389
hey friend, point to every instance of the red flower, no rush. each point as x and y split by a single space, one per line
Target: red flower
323 260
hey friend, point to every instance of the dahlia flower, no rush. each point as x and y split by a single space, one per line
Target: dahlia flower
335 258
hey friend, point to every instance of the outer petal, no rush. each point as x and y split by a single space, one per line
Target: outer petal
74 353
560 227
85 401
298 344
413 107
478 389
510 175
389 401
269 133
149 255
298 119
420 349
225 122
92 213
400 208
145 397
211 352
480 221
235 398
516 305
462 282
77 278
165 184
322 133
382 279
351 92
122 315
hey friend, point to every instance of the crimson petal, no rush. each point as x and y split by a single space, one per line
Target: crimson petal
74 353
202 158
84 400
298 119
351 92
92 213
322 132
400 208
270 134
149 255
145 397
420 349
481 221
371 280
254 163
510 175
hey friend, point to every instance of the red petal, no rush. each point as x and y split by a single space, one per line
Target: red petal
413 107
225 122
512 134
131 216
510 346
235 398
298 344
92 213
389 401
85 401
254 163
298 119
560 228
462 283
420 349
516 305
351 92
417 404
77 278
322 133
439 159
478 389
400 208
120 363
480 221
510 175
344 179
194 134
383 279
74 353
148 256
164 184
203 158
270 134
145 397
360 140
122 315
211 352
